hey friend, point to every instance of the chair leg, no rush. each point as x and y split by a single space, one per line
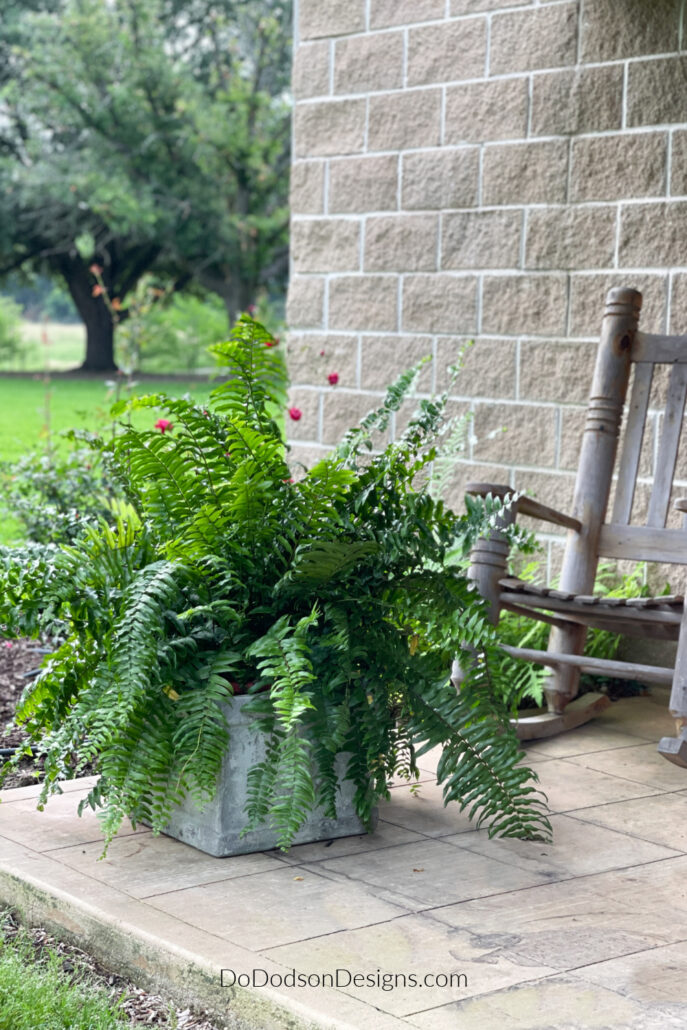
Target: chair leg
488 565
562 684
537 725
595 468
674 749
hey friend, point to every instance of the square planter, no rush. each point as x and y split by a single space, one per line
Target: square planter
216 829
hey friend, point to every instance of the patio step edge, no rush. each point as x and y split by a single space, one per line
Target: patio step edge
156 965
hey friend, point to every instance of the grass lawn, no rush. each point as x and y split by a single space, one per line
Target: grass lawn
65 349
36 995
47 984
73 403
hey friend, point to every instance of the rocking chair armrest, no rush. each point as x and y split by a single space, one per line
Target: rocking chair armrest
525 505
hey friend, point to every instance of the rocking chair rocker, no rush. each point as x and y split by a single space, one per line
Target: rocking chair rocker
571 609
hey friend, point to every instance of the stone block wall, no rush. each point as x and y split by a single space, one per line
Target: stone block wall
482 169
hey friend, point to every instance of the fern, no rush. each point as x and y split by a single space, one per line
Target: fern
332 600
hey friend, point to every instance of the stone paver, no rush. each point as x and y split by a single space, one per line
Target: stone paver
641 764
661 818
426 923
424 811
563 1002
406 946
578 849
570 787
289 903
144 865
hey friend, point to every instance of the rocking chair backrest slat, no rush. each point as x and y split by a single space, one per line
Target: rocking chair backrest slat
632 444
668 446
659 350
643 543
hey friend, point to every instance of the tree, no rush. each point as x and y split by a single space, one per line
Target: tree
146 134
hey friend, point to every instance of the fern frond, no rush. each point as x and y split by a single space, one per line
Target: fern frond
282 657
257 381
293 789
321 561
378 420
479 763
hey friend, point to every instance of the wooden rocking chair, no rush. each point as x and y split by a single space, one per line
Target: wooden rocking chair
571 609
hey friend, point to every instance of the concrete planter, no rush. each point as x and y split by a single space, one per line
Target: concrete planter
216 830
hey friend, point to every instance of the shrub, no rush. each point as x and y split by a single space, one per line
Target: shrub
54 496
181 332
159 332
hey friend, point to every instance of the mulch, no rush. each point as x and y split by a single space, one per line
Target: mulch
17 659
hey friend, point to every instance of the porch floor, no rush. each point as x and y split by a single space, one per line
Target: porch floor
590 932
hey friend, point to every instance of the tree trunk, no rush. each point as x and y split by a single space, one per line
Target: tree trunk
236 294
237 297
94 313
99 340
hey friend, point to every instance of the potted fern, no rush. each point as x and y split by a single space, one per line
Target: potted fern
320 614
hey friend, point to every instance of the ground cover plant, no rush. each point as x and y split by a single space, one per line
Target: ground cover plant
329 600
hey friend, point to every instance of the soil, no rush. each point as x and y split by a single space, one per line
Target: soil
18 660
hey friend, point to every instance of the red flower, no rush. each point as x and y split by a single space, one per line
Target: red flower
163 424
333 378
295 414
96 270
97 290
321 353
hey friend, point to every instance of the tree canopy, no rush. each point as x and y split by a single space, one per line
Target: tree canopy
145 134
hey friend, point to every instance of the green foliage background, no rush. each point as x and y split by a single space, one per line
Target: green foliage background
147 135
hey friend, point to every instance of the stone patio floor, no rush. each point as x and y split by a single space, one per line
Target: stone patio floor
589 932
